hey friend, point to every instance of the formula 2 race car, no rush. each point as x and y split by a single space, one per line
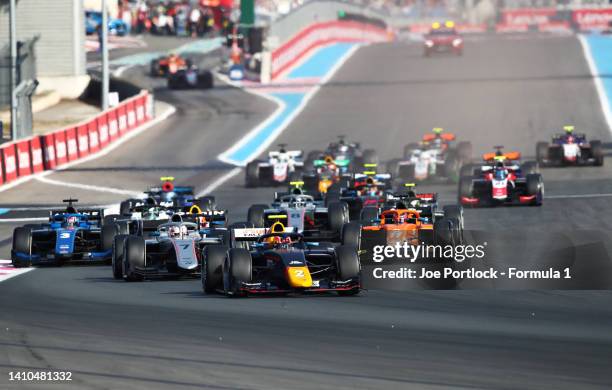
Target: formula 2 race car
308 216
443 38
70 236
275 260
163 66
570 149
348 157
175 250
168 195
502 180
282 167
435 157
399 226
190 77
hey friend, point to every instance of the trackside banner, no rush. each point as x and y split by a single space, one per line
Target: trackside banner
592 19
528 16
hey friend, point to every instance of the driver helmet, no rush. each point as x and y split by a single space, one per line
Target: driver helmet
343 148
500 171
273 240
72 221
373 190
174 232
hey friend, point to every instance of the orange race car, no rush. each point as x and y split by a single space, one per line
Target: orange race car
402 226
171 64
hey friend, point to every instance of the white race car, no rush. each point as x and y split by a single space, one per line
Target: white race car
281 167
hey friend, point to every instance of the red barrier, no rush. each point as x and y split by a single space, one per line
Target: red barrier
71 144
61 148
122 119
94 136
9 159
103 130
141 103
1 169
83 139
23 158
48 144
36 151
319 34
131 114
113 125
592 19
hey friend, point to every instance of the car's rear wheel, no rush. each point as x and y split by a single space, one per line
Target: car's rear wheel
117 259
597 152
257 215
212 268
466 187
535 186
337 215
351 235
542 152
252 174
408 149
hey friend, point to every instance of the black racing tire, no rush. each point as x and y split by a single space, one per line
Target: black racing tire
542 152
454 211
110 219
252 174
393 168
22 243
117 258
443 232
464 151
369 157
351 235
332 194
237 268
337 216
107 236
535 186
466 187
452 166
529 167
206 80
467 170
205 203
257 216
348 266
125 208
597 153
134 256
368 214
212 268
409 148
154 68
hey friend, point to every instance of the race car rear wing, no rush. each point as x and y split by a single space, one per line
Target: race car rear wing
93 215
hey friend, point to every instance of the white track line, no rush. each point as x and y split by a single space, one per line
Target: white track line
171 110
217 183
578 196
7 267
89 187
279 130
601 92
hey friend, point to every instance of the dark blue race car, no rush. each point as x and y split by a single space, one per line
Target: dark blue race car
70 236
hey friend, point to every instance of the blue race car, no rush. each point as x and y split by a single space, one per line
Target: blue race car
70 236
93 19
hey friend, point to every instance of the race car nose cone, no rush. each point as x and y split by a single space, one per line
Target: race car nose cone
299 277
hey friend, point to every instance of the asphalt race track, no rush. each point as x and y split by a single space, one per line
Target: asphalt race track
167 334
